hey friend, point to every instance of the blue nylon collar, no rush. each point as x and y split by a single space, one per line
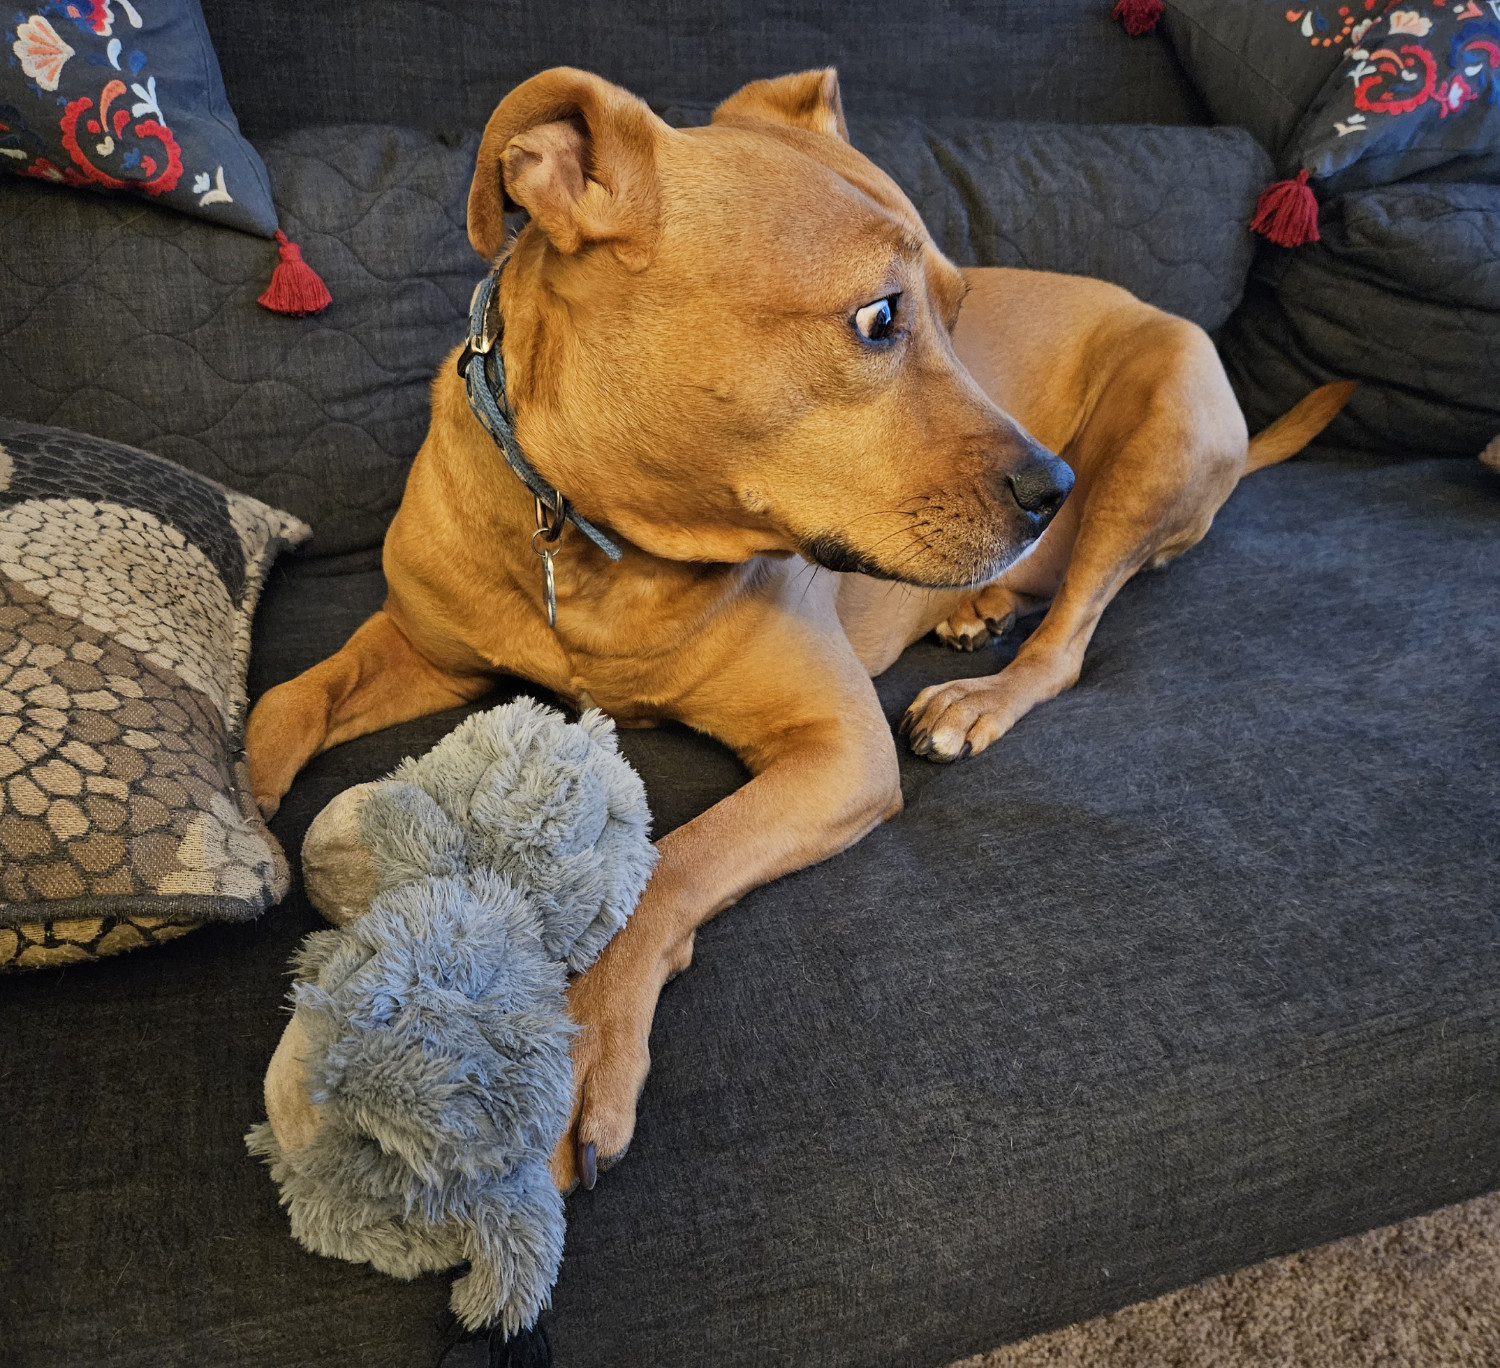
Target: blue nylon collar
483 372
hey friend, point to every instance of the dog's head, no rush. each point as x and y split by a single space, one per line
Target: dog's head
731 340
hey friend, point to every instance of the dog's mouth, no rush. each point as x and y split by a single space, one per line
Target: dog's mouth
947 540
921 565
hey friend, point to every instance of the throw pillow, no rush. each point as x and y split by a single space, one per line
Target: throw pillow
127 587
1260 64
1419 95
103 95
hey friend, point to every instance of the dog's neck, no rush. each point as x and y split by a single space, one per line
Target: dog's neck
598 598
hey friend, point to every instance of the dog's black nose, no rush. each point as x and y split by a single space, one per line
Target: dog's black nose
1040 484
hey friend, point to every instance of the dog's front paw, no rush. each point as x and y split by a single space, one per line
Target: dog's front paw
611 1057
953 721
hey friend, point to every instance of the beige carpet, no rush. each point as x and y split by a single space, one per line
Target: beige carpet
1422 1294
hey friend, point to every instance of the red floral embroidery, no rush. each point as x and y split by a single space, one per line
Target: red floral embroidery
1397 68
92 15
42 169
158 178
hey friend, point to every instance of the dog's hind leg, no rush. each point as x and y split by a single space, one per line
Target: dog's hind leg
1151 476
377 680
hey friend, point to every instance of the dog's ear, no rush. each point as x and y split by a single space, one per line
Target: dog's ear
806 99
579 155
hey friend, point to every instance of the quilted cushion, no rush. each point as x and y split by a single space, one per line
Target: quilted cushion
102 94
1161 211
1402 294
319 416
127 588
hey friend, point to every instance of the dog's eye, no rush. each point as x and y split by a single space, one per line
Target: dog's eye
875 321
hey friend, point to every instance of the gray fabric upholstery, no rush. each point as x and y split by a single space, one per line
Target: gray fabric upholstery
1195 967
445 64
322 416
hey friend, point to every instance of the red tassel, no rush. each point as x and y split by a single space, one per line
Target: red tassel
295 287
1137 16
1287 212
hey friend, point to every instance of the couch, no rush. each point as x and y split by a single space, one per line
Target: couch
1195 967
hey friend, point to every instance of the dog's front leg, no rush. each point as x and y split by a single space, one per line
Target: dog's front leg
824 772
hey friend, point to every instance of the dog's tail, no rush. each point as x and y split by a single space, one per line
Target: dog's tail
1298 426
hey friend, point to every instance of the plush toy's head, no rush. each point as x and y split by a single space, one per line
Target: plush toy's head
519 791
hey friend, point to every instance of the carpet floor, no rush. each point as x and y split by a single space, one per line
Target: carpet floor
1421 1294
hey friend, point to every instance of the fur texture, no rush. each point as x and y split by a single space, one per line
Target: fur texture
437 1021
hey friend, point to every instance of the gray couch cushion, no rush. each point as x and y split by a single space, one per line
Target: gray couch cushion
1161 211
141 325
1199 965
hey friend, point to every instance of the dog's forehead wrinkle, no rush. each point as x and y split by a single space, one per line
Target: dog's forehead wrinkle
752 188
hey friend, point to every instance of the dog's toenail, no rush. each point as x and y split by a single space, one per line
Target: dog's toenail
588 1165
967 751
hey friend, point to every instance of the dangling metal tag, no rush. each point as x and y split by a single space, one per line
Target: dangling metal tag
549 525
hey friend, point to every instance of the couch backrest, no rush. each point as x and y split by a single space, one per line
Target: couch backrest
443 64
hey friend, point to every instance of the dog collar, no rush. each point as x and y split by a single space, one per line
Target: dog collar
483 371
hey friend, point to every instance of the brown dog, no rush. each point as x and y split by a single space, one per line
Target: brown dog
738 350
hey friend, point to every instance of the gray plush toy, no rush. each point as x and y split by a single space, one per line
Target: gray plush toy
424 1078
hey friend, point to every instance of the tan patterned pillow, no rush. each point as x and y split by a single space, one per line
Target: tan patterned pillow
127 588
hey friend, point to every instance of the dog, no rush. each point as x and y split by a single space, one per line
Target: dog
737 349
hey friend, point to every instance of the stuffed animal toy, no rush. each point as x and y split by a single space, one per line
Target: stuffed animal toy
424 1078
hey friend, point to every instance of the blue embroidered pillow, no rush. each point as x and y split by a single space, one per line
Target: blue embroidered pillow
126 95
1369 92
115 95
1418 96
